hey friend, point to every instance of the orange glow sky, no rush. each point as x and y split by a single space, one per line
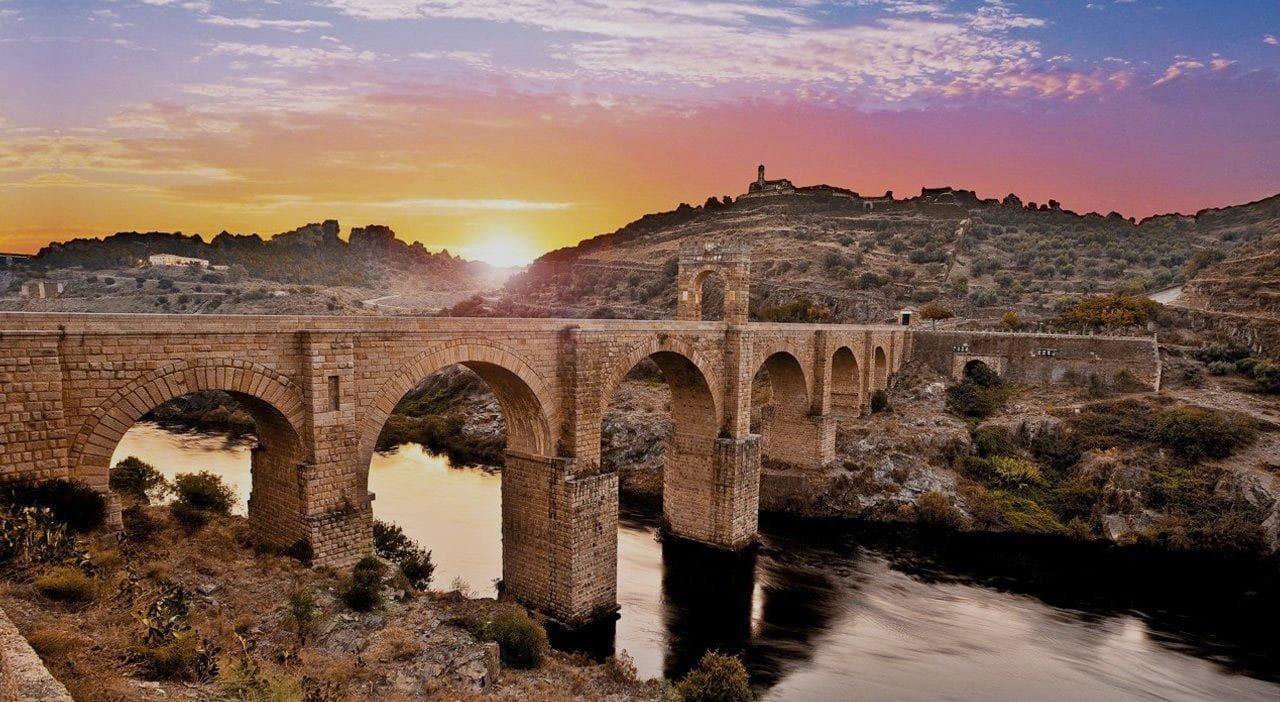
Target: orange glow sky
502 130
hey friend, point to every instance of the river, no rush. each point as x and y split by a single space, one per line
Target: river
830 612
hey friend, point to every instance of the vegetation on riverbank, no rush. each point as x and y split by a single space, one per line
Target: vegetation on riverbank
169 611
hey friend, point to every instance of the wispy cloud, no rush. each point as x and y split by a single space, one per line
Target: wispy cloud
288 25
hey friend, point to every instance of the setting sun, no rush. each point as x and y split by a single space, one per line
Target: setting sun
502 249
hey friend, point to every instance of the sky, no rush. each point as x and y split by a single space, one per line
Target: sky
500 129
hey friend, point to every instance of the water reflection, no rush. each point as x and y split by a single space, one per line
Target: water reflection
825 611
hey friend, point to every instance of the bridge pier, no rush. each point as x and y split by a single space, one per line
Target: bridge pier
559 538
807 442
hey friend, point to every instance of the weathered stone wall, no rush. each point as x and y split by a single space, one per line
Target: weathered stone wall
23 677
33 423
1040 358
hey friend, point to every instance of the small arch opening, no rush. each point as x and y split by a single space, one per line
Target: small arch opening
846 385
880 376
710 287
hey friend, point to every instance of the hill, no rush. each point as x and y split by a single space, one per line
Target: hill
312 254
861 258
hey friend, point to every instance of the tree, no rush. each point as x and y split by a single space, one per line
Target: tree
934 312
1011 321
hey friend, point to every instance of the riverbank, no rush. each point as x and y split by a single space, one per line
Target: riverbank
241 606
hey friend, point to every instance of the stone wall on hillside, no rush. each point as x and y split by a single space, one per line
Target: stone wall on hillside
1041 358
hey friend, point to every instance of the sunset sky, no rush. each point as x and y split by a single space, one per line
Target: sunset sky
504 128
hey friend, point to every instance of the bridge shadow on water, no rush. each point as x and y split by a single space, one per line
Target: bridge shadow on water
779 604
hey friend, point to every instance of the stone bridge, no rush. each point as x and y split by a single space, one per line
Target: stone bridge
321 388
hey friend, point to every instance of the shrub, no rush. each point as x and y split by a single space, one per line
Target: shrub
717 678
170 649
204 491
35 535
390 542
139 525
189 518
879 401
994 441
65 584
1197 433
1109 311
935 509
137 480
363 590
1221 367
1005 471
522 642
75 504
304 613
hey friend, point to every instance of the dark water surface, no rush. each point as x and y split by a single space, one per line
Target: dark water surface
828 612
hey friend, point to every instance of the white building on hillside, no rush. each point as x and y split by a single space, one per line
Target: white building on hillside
173 260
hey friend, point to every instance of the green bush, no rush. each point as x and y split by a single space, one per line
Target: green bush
1198 433
34 535
204 491
304 613
390 542
363 590
717 678
1265 374
1004 471
980 394
137 480
994 441
65 584
81 508
522 642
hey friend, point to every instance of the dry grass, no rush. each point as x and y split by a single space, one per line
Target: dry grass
239 594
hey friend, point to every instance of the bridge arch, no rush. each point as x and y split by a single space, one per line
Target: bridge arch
846 384
272 400
689 461
664 344
521 391
783 418
879 369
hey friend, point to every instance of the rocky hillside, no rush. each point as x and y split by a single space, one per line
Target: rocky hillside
861 258
309 270
1246 282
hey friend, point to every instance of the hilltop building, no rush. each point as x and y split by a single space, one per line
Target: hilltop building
761 186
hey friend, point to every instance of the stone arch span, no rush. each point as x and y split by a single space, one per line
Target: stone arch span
667 344
786 425
275 403
690 460
522 394
846 385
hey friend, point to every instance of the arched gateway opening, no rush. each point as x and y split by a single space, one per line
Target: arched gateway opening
182 393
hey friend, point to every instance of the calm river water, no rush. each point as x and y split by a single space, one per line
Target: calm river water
823 612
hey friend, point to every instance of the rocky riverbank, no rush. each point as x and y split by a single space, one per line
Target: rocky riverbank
254 637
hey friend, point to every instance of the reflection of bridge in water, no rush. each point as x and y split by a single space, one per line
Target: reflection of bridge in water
321 388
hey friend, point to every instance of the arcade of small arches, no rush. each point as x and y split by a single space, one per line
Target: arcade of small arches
321 388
